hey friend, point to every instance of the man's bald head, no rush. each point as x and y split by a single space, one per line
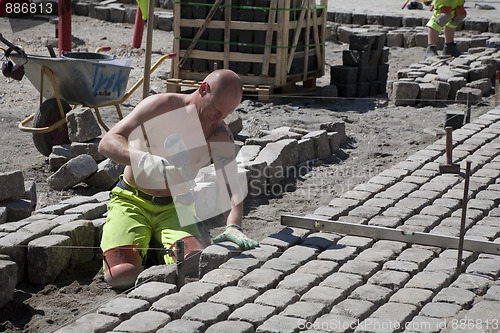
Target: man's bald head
225 81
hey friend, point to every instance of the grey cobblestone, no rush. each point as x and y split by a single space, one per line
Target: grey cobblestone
215 255
234 297
431 325
403 213
279 323
344 203
413 204
435 210
123 308
365 211
487 265
203 290
360 243
94 322
338 253
152 291
481 204
360 196
300 253
371 293
335 323
285 238
417 255
400 312
376 255
393 280
277 298
182 326
380 202
241 263
299 282
231 326
320 268
207 313
493 294
433 281
343 281
369 187
424 194
415 296
385 181
354 308
487 232
365 269
305 310
476 283
401 266
255 314
261 279
263 253
147 322
386 221
444 265
440 310
397 174
457 296
175 305
284 265
394 246
426 221
223 277
418 180
324 295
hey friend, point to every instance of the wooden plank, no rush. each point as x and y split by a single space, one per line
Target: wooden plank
322 65
269 37
317 46
200 32
376 232
233 56
238 25
282 52
177 43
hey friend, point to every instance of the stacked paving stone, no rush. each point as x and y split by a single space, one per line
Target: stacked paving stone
80 160
465 79
17 196
365 69
301 280
38 248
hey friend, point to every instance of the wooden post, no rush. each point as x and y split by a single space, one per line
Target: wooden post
149 46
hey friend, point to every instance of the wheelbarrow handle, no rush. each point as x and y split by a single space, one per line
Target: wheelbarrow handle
12 46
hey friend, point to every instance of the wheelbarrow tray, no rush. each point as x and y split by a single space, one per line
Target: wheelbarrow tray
87 82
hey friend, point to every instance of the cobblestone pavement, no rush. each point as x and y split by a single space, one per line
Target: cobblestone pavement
300 280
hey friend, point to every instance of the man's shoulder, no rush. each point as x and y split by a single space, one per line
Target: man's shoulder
222 133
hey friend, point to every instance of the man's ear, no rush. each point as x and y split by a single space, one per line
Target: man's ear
204 88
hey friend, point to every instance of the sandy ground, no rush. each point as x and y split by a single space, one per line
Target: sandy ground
380 135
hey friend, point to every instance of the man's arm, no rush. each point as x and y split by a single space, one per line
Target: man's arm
223 154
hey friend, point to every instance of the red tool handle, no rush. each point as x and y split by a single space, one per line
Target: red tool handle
106 48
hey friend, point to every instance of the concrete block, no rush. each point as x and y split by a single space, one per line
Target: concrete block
8 276
60 155
82 125
404 93
3 215
329 93
355 58
116 14
347 90
203 290
358 18
305 149
165 21
47 257
456 83
87 148
89 211
484 85
367 74
442 90
40 227
130 13
261 279
468 95
81 9
394 39
11 185
102 13
427 94
73 172
321 143
247 153
106 175
343 74
234 296
215 255
30 192
81 233
158 273
123 308
14 245
17 209
361 41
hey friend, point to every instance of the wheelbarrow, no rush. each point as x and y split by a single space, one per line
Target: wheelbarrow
90 79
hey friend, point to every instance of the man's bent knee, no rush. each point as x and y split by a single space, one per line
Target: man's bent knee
122 265
445 15
192 253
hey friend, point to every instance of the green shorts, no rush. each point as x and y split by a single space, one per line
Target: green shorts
133 221
438 4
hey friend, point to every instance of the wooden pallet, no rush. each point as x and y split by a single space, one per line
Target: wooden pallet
262 92
275 62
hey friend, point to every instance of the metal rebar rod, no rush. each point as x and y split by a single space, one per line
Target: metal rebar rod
464 215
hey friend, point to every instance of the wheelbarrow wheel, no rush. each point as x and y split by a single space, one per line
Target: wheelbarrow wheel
47 115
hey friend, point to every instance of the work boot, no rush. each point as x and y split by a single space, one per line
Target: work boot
431 52
450 49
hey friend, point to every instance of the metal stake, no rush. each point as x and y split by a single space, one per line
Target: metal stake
464 215
179 256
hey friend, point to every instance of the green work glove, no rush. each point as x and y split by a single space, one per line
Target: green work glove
235 234
155 168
